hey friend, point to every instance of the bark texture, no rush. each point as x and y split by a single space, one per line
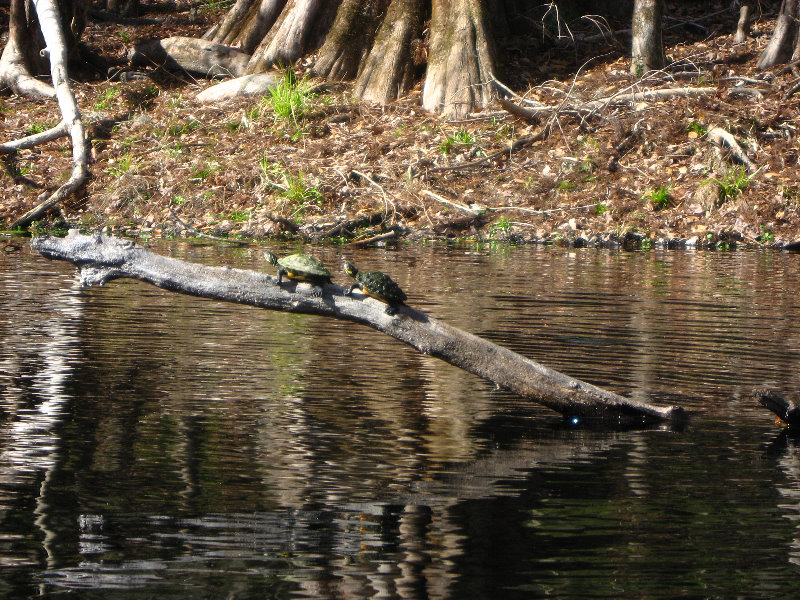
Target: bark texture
246 23
783 44
647 52
193 55
300 29
102 259
388 69
461 58
349 39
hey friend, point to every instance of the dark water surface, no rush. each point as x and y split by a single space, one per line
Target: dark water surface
160 446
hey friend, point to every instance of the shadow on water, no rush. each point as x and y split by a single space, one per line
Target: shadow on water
159 445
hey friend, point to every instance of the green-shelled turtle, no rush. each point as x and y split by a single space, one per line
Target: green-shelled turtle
301 267
378 285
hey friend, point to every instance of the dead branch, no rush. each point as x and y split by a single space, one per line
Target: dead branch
49 20
443 200
34 140
725 141
102 259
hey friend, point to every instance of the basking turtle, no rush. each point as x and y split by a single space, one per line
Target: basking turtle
378 285
301 267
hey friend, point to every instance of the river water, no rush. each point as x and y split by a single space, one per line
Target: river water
154 445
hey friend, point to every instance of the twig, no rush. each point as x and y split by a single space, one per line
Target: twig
508 150
544 211
199 233
386 200
460 207
374 238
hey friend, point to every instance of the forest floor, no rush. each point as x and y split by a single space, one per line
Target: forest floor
639 174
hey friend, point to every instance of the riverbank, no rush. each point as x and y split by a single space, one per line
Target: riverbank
640 173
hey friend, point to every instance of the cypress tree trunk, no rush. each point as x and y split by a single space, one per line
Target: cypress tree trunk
388 70
785 41
461 58
350 38
300 29
647 53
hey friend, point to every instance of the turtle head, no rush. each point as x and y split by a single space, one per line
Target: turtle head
271 258
350 269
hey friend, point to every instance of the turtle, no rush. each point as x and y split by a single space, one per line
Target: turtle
301 267
378 285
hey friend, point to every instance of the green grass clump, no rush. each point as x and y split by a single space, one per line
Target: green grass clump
658 198
290 99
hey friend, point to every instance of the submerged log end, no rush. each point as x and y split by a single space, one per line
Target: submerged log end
788 410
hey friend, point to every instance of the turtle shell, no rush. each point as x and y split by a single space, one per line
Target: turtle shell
381 286
302 266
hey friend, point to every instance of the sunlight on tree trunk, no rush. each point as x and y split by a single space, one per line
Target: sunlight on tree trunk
784 42
389 66
647 53
460 60
349 40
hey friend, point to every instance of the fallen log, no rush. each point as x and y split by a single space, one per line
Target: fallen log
101 259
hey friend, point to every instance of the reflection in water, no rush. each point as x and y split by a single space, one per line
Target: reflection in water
154 444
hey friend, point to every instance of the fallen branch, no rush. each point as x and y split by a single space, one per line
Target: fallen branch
375 238
444 200
725 141
199 233
102 259
34 140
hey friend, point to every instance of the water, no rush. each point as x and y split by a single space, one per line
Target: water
155 445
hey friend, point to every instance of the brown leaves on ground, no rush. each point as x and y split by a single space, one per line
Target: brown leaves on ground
642 171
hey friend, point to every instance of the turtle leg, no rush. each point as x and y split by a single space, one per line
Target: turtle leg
355 286
391 310
316 291
280 275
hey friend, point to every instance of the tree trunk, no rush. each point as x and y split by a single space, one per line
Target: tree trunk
246 23
782 45
300 29
102 259
350 38
22 60
461 58
647 53
389 67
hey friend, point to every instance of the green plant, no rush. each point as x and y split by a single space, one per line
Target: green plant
600 208
462 137
35 128
104 101
501 226
732 183
658 198
179 129
290 99
125 37
240 216
299 191
565 185
697 128
178 200
765 237
124 164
